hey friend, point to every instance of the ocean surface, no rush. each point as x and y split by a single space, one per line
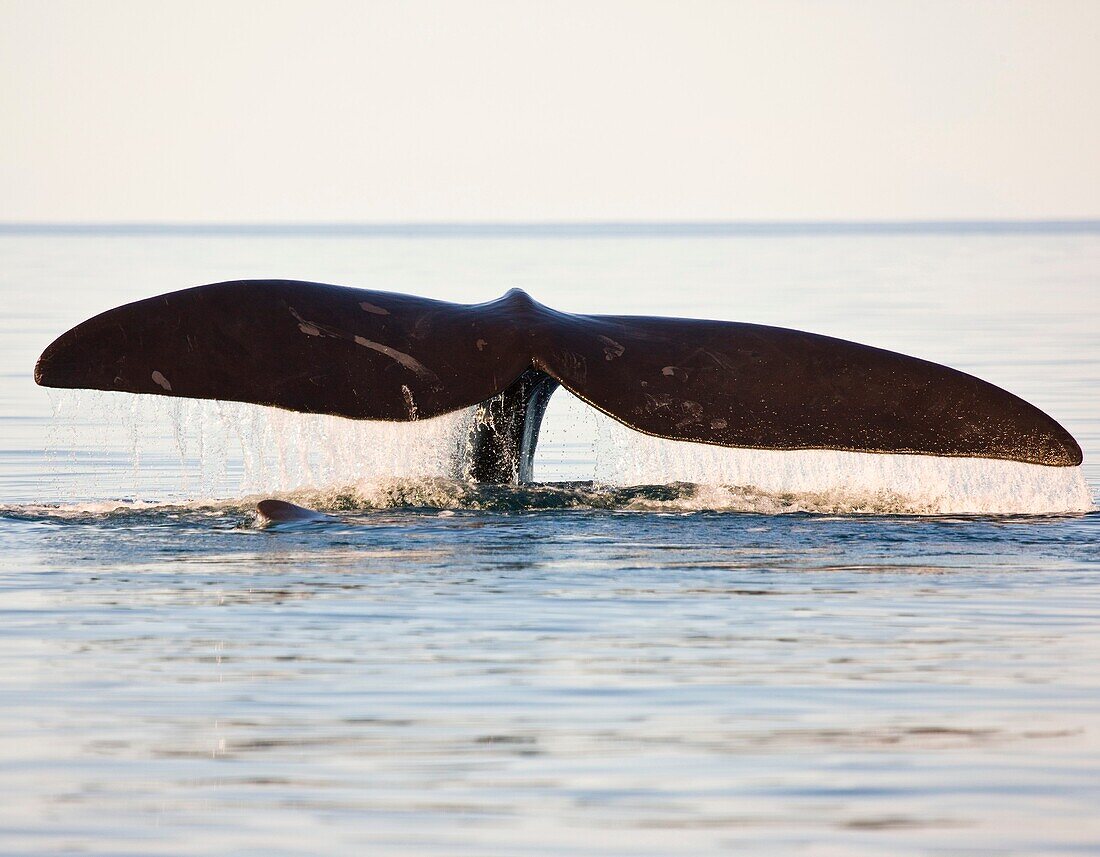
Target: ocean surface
658 648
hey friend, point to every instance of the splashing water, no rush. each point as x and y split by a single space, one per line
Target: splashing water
842 482
183 448
141 448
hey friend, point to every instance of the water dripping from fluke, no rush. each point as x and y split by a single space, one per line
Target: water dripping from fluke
233 455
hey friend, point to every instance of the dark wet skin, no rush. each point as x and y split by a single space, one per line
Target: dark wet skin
282 512
365 354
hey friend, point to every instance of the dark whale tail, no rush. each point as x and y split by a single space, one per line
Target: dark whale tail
380 356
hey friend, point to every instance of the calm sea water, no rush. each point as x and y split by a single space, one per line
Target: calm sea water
659 650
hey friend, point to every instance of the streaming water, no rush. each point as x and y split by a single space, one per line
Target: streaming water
660 648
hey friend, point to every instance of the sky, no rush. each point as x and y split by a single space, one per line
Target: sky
424 111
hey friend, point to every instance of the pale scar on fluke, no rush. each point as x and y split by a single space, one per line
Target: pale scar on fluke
311 328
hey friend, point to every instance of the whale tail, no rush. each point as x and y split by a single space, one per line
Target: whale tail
375 355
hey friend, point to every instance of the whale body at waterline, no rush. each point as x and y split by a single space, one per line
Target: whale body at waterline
273 511
373 355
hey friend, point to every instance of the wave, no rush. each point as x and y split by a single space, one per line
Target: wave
442 494
1049 492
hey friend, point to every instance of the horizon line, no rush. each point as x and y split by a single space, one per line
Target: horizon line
552 228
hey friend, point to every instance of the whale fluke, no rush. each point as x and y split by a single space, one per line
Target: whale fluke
375 355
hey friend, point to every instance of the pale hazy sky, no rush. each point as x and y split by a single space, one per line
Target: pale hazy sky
181 110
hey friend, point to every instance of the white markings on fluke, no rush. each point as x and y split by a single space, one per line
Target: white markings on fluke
612 349
693 411
367 306
312 328
161 381
406 360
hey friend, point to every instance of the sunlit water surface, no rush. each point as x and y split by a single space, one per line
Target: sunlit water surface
659 649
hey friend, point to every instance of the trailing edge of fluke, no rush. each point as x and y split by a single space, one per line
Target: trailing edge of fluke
374 355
